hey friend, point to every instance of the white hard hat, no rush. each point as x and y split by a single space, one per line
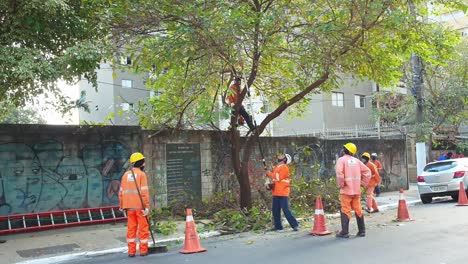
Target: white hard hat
288 158
374 154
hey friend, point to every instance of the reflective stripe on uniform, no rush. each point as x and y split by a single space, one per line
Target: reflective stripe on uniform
131 240
189 218
129 191
144 188
340 176
352 178
143 241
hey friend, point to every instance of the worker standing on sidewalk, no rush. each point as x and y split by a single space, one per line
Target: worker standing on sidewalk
351 174
281 189
379 169
131 202
373 182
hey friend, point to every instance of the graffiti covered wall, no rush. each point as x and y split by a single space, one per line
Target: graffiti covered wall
55 168
45 168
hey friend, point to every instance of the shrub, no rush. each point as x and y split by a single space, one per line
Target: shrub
305 191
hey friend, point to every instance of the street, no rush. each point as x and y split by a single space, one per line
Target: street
438 235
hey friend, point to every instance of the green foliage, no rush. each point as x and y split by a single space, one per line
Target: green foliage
193 45
9 114
462 147
43 41
304 193
286 50
206 207
166 228
445 96
256 219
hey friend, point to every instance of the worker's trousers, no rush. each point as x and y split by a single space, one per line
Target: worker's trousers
136 221
349 202
370 201
282 202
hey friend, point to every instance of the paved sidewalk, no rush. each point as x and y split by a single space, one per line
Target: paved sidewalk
53 246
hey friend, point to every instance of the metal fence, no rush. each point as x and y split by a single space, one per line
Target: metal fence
359 131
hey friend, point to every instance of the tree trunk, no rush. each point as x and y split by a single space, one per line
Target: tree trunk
245 190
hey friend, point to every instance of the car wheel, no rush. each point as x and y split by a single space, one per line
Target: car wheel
426 199
455 197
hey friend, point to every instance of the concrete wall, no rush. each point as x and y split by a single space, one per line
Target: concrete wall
45 168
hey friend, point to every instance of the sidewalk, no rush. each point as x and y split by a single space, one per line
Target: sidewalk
57 245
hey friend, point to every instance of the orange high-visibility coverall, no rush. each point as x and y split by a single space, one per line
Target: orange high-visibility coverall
130 201
280 176
374 181
378 165
351 173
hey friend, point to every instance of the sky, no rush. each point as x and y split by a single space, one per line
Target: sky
49 113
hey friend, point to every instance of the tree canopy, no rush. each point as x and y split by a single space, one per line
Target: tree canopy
285 50
445 97
42 41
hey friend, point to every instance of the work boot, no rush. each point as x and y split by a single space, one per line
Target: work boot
361 226
344 233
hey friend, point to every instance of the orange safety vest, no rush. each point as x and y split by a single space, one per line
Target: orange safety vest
233 95
375 176
128 194
280 176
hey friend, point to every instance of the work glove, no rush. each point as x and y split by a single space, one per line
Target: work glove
145 212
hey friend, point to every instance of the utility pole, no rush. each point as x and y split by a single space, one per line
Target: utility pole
418 85
377 90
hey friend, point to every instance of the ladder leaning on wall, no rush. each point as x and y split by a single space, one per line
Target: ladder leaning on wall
57 219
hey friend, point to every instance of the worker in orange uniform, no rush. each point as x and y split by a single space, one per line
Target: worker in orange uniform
379 169
281 189
232 98
351 174
373 182
134 199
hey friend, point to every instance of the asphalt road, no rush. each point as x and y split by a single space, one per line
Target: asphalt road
439 235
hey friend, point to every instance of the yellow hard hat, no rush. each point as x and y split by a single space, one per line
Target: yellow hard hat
136 157
365 154
350 147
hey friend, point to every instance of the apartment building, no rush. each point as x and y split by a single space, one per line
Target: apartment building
117 97
347 106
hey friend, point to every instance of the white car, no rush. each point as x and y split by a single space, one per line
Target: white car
442 178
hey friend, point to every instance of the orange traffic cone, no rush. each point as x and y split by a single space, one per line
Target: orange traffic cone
403 214
320 228
192 242
462 200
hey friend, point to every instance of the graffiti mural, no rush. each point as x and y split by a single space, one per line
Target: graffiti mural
41 177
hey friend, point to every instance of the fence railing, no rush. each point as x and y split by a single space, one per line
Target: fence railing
359 131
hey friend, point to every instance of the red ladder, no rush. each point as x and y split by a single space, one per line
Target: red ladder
57 219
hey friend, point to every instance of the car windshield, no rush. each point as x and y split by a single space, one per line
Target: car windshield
440 166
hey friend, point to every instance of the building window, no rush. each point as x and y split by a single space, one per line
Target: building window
337 99
125 60
359 101
127 83
127 106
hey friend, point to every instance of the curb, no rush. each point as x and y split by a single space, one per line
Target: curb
86 254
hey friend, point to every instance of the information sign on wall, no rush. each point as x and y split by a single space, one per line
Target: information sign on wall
183 171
